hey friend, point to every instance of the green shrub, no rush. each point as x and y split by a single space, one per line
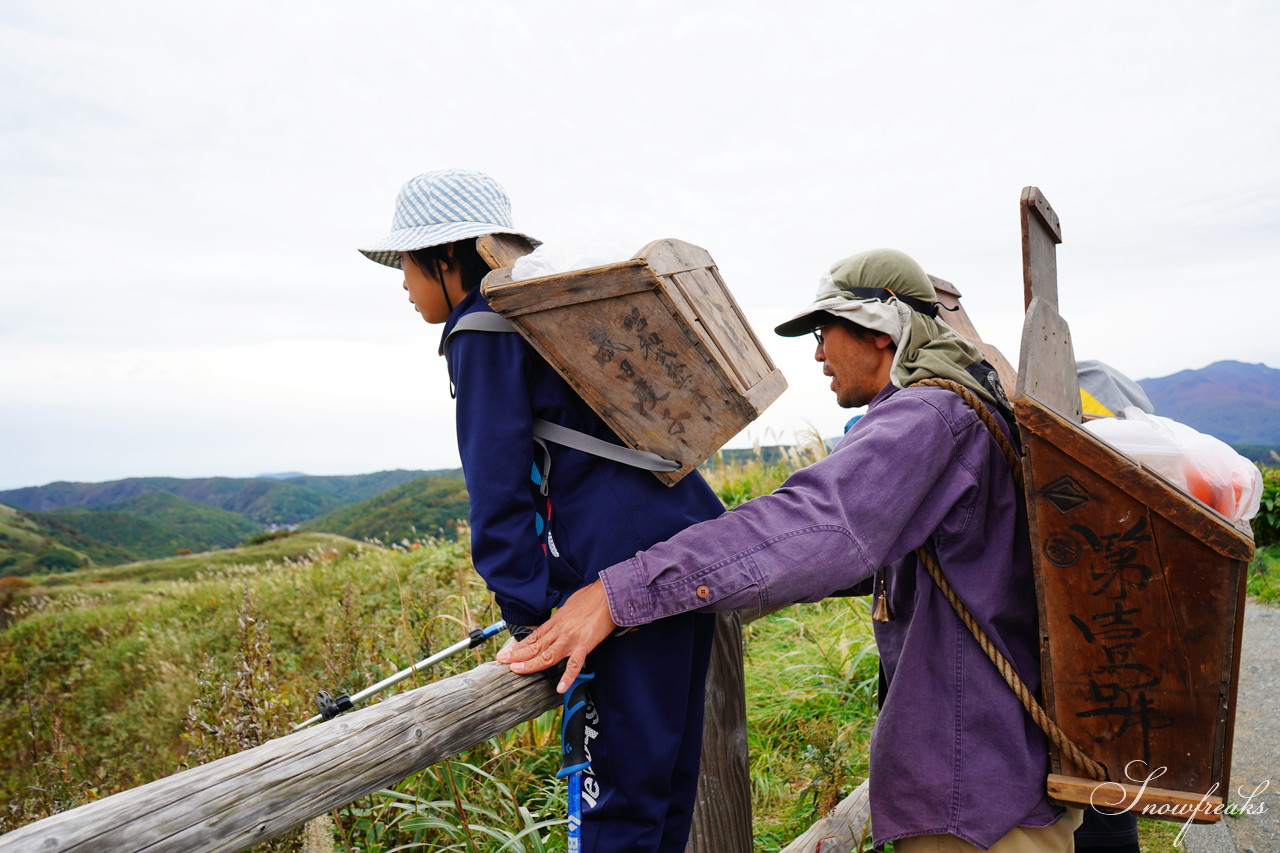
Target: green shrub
269 536
1266 524
57 560
1264 574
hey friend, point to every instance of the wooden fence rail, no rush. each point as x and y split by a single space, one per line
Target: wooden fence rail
247 798
253 796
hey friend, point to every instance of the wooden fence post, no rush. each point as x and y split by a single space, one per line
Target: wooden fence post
722 815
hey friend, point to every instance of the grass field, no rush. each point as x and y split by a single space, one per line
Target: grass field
113 677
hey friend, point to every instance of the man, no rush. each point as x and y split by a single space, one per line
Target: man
956 763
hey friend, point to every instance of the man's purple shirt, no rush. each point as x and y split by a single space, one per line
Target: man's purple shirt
953 751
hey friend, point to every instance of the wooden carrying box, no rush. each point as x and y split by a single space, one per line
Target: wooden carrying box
656 345
1140 588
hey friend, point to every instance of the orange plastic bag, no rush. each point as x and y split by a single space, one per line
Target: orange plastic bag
1201 465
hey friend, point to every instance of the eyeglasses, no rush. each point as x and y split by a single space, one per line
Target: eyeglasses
817 335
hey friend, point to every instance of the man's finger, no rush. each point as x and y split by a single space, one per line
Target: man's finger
519 651
572 667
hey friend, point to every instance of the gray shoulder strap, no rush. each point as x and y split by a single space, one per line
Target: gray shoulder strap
562 435
476 321
479 321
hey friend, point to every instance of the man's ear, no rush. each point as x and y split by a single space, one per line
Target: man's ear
882 340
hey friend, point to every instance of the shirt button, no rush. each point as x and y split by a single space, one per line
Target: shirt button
703 592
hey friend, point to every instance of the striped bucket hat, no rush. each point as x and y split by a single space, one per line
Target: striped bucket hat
442 207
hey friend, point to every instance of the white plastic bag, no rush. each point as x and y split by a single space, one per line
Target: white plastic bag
554 258
1201 465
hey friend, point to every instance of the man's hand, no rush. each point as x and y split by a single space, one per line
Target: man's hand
571 632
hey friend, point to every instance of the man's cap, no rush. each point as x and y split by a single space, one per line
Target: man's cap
878 275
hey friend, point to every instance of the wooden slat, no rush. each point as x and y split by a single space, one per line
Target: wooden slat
1041 232
1047 365
954 314
727 333
502 250
515 299
1142 801
764 392
674 256
1046 362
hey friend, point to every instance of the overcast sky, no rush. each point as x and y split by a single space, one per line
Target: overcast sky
182 188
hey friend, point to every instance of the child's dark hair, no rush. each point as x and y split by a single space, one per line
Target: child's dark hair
431 259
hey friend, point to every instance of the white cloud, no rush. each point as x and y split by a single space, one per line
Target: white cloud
182 189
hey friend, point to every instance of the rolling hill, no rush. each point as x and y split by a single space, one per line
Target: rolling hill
68 526
145 527
157 524
428 506
29 545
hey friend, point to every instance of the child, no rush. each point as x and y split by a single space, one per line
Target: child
545 519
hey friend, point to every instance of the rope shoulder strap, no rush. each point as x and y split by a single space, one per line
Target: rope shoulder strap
1011 677
488 321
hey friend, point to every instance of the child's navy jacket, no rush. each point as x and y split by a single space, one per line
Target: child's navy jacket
534 550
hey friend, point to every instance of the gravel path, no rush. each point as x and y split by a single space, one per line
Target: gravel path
1255 762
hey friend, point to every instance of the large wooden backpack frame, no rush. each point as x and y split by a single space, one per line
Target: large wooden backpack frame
1140 587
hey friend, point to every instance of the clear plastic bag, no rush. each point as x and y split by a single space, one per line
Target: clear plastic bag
565 256
1201 465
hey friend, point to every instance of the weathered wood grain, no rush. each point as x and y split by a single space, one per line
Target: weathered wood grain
1173 805
722 813
843 830
517 298
1140 588
1041 232
657 346
502 250
244 799
1047 364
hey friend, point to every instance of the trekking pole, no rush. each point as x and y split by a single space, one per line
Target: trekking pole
573 740
330 707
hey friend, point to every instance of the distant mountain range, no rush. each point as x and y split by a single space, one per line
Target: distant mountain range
269 501
64 526
1236 402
